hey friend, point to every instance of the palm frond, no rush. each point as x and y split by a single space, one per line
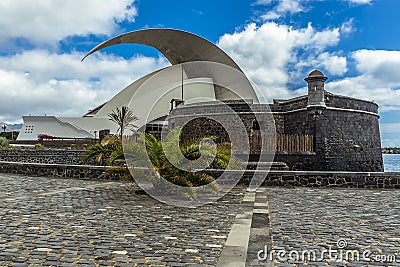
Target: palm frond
117 154
147 151
123 118
97 151
199 179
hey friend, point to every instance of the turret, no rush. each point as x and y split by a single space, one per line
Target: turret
316 95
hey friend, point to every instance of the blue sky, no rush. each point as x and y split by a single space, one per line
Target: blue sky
355 43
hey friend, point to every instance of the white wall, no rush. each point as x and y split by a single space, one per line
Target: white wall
62 127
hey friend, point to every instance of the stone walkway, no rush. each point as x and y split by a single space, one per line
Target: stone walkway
68 222
305 222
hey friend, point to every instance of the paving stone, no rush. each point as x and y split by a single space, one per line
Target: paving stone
70 222
302 218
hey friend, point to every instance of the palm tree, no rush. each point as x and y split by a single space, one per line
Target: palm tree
148 151
123 117
180 167
110 149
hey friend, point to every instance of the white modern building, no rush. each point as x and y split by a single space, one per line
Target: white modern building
189 78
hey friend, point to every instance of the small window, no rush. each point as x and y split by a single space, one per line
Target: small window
149 128
29 129
153 127
256 126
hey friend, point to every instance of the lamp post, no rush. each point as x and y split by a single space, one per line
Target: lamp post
95 136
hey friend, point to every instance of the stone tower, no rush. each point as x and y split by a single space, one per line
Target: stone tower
316 95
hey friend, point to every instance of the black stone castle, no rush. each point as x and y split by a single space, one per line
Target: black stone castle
320 131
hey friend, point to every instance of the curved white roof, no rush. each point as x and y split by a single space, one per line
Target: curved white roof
177 46
153 92
149 97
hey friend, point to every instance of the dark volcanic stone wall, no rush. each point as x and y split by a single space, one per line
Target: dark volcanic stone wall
208 119
348 141
45 156
292 104
300 122
346 134
346 131
204 127
344 141
58 170
387 180
211 119
349 103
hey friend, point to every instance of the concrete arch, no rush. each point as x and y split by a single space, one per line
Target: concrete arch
176 45
205 71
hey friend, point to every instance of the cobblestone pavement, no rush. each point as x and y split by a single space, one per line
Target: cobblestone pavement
68 222
305 219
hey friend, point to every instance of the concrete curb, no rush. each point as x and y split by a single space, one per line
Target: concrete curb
260 241
234 252
250 233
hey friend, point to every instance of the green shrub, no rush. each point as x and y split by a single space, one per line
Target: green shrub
85 146
38 145
4 142
73 146
8 135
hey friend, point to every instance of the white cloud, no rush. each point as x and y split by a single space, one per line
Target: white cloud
335 65
290 6
390 127
347 26
275 55
38 82
367 87
283 7
265 52
378 79
271 15
47 21
382 65
263 2
360 2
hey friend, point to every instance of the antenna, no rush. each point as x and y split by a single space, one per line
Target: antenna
182 82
